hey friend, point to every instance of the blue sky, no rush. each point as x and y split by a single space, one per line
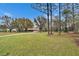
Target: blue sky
16 10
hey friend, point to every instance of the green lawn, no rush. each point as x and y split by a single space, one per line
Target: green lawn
38 44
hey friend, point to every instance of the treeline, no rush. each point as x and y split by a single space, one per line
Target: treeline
20 24
65 18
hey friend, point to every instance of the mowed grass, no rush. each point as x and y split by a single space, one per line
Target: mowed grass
38 44
6 33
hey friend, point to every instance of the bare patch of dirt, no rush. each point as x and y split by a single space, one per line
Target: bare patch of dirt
75 36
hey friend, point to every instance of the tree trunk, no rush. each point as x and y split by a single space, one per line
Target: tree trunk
59 18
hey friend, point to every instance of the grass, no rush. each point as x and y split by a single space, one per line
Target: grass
6 33
38 44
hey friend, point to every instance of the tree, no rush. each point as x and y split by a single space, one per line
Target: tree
66 13
76 16
73 15
7 21
59 18
22 23
40 21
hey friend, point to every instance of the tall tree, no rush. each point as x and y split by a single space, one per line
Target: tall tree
59 18
7 21
73 16
66 13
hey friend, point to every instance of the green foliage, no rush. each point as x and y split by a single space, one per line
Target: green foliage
66 11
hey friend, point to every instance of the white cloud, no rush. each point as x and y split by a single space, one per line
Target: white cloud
8 14
2 13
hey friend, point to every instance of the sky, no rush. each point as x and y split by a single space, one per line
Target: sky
16 10
19 10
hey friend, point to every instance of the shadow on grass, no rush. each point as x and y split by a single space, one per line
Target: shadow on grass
6 54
